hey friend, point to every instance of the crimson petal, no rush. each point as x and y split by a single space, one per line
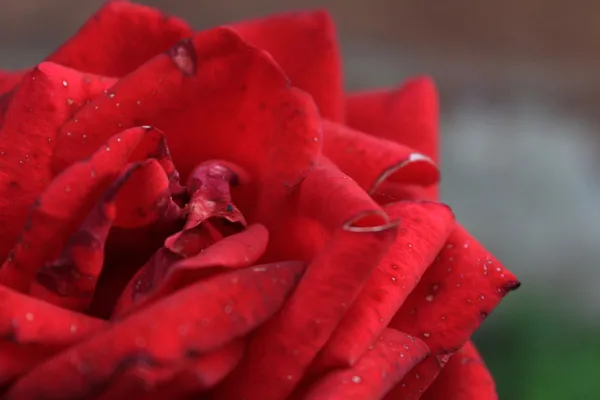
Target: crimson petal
45 99
118 38
407 115
235 89
465 377
10 79
305 45
61 208
31 330
294 336
375 373
192 323
70 280
370 160
455 295
164 277
424 229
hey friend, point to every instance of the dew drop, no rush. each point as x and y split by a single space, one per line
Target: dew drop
393 279
426 334
73 328
29 316
429 297
394 266
183 55
356 379
70 102
65 83
289 377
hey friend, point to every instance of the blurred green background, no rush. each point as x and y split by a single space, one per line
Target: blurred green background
520 92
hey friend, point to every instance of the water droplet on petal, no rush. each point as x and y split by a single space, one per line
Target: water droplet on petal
65 83
356 379
183 55
426 334
29 316
429 297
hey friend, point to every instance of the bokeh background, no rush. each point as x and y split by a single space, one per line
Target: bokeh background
520 87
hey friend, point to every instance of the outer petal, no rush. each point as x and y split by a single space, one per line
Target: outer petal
305 45
291 340
424 228
408 115
47 97
377 371
214 96
62 207
120 37
10 79
454 296
194 322
371 161
465 377
32 330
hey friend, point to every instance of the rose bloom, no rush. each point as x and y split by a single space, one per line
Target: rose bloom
209 215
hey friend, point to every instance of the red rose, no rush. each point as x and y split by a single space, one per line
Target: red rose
180 218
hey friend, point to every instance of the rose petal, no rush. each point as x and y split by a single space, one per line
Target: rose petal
375 373
58 211
70 280
390 192
305 45
119 37
193 377
424 229
193 322
31 330
159 279
5 99
370 160
407 115
45 99
294 336
455 295
10 79
233 89
414 384
465 377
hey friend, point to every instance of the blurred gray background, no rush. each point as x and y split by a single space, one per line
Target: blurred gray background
520 89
